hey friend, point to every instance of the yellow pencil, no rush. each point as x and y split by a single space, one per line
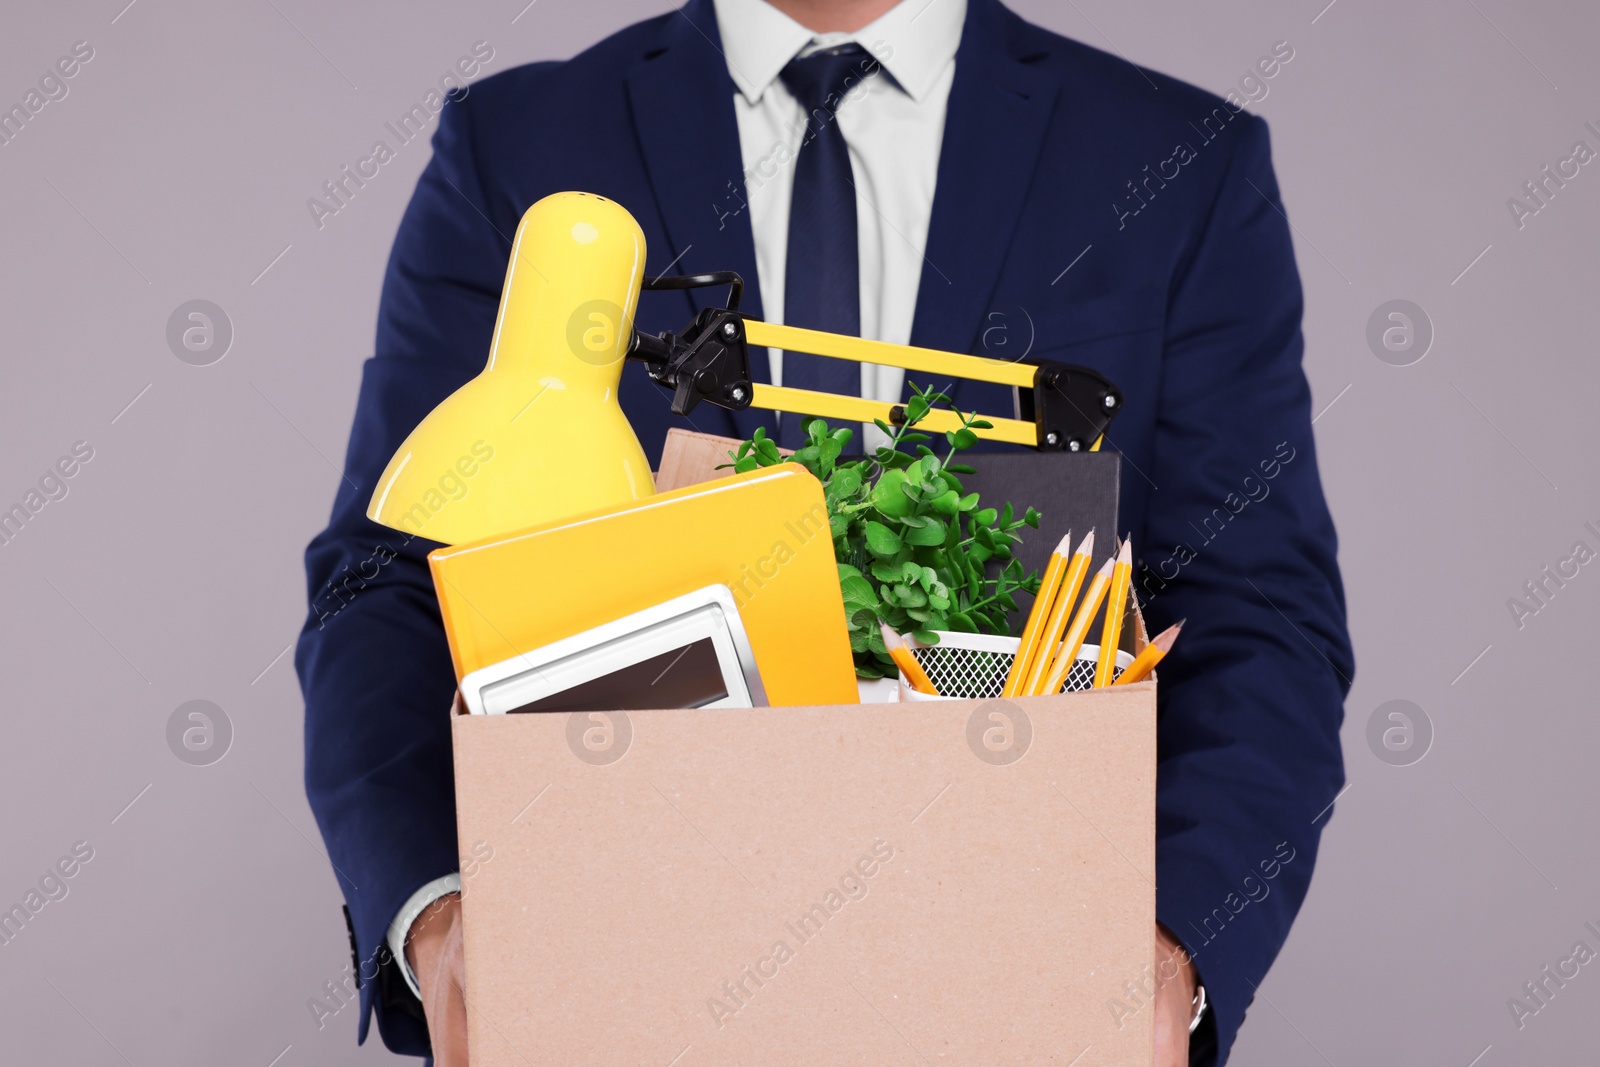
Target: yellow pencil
1116 604
1060 614
1146 660
1028 646
1067 653
915 675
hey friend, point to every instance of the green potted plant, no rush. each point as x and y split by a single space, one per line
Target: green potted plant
915 550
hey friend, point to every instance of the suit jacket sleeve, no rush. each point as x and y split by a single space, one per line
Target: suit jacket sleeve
1239 541
373 662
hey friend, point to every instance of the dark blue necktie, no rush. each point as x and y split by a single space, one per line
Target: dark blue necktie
822 288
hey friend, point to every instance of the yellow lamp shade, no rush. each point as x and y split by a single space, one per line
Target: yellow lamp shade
539 435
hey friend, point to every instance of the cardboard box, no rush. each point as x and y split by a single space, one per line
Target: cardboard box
962 882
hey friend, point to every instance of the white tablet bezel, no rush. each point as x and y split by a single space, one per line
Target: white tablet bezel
707 613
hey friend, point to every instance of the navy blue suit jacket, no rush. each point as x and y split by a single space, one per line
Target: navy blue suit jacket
1182 288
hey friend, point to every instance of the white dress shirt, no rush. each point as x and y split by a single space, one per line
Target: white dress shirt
893 127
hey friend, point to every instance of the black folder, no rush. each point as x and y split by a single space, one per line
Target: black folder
1075 491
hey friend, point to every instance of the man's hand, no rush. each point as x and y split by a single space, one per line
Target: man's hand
434 950
1176 979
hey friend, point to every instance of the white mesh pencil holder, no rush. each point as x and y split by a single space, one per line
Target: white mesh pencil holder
974 666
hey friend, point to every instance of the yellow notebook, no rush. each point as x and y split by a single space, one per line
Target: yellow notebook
763 534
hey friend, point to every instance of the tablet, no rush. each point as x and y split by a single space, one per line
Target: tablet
687 652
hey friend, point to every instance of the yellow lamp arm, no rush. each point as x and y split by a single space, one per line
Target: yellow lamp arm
838 407
909 357
1064 408
860 350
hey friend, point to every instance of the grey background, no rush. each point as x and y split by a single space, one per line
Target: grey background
178 168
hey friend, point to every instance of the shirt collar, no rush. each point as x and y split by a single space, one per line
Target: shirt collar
914 41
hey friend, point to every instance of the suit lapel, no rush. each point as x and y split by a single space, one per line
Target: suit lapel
998 115
682 106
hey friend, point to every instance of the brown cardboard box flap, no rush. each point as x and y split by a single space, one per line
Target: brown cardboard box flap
967 882
689 457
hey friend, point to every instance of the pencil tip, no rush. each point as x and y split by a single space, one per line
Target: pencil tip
1125 553
891 639
1086 546
1168 637
1065 545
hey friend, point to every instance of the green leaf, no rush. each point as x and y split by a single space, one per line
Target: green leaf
961 622
885 571
844 484
946 503
930 534
857 592
889 495
882 541
875 640
961 439
745 464
910 596
926 637
1031 518
968 502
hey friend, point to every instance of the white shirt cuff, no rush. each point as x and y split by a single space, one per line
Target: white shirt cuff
419 901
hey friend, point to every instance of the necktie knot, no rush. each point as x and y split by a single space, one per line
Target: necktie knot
819 81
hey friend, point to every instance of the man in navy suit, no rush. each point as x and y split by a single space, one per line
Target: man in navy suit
916 173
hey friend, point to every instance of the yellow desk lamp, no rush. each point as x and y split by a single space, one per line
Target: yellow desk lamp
539 436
